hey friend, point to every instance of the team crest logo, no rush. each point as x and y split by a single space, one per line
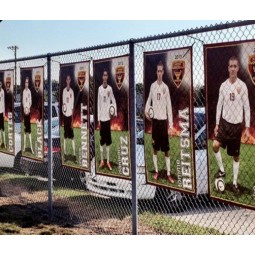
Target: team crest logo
119 75
8 82
178 70
251 67
37 82
81 79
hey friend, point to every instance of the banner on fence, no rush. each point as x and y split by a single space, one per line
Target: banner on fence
230 92
32 109
168 101
112 133
74 115
7 141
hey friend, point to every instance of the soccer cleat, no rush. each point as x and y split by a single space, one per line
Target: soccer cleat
155 176
109 166
170 179
219 174
101 164
235 189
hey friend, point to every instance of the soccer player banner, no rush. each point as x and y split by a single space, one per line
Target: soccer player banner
168 104
32 110
230 93
7 142
74 115
111 101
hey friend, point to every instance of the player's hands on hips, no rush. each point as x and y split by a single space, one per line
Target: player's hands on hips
216 130
246 134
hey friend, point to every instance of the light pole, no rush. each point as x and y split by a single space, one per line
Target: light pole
14 49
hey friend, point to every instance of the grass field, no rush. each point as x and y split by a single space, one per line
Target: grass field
70 160
174 156
114 153
246 177
2 149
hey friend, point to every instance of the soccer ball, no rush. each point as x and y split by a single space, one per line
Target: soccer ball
219 185
64 108
112 110
151 112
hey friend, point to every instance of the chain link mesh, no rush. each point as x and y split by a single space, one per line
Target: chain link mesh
102 204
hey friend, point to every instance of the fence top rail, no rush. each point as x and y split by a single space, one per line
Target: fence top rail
187 32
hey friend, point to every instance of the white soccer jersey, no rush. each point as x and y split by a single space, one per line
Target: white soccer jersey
68 100
104 100
160 99
2 102
27 99
234 100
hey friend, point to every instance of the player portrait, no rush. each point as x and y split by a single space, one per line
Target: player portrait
32 112
168 136
111 111
7 143
74 115
230 94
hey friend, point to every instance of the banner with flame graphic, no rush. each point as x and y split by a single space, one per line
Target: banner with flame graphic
230 94
168 118
32 112
111 101
7 141
74 115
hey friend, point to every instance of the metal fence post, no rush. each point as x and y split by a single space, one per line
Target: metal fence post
133 134
49 88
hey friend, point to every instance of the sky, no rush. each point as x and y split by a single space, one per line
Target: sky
35 37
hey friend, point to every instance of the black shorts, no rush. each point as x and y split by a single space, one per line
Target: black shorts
160 138
27 124
68 130
105 133
229 135
1 121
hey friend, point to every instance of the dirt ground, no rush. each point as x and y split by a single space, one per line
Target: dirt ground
23 210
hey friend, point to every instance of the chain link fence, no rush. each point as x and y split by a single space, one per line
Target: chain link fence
106 203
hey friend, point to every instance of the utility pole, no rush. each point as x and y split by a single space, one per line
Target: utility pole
14 49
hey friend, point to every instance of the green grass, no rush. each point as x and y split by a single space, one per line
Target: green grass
114 152
69 148
168 225
34 141
6 138
246 177
174 156
9 229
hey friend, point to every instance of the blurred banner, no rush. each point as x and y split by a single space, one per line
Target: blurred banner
7 127
111 100
169 136
74 114
230 93
32 110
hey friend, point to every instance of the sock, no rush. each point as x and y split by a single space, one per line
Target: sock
108 154
73 144
235 171
64 146
102 152
155 162
168 165
4 139
30 140
0 137
219 161
25 138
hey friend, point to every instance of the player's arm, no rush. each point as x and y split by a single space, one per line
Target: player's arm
23 99
113 101
3 102
30 99
98 105
169 109
148 103
218 110
247 113
72 102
